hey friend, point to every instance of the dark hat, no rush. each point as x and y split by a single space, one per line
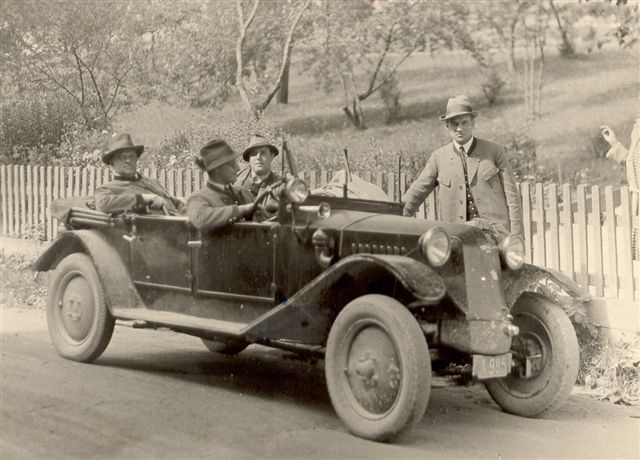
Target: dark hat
215 153
456 106
257 141
118 144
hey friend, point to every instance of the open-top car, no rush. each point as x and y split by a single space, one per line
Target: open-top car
389 302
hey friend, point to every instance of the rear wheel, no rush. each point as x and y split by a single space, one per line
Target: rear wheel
225 348
79 322
377 368
547 350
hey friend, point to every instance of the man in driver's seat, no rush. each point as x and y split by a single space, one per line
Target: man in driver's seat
219 203
129 190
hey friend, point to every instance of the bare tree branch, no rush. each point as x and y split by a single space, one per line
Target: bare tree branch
239 60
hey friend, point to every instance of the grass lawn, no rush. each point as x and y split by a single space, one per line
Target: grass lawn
578 96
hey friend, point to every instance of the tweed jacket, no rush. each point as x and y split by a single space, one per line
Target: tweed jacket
216 205
122 195
246 181
491 182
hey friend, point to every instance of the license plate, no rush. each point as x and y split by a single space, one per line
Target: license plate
489 367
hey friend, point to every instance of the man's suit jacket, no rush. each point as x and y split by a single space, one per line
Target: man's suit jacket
216 205
122 195
491 181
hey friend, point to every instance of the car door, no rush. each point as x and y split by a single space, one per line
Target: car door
237 262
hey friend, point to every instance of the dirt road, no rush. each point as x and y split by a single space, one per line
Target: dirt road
156 394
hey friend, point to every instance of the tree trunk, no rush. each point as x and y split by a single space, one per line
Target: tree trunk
568 49
352 107
283 92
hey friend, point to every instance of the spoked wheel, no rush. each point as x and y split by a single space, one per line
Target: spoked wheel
225 348
546 351
377 368
79 322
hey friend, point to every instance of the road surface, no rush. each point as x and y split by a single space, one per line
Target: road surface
157 394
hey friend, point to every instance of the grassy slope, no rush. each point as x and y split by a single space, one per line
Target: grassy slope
578 96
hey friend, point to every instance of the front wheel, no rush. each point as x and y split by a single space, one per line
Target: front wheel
546 350
79 322
377 368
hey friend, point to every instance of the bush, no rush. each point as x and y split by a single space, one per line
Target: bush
492 86
390 95
32 126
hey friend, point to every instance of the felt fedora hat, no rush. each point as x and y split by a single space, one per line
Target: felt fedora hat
215 153
118 144
456 106
255 142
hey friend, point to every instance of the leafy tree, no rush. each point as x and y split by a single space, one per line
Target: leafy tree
88 51
361 46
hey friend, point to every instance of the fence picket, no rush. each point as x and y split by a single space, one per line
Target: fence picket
581 221
42 205
567 234
70 180
47 203
527 221
391 186
16 201
554 228
596 226
540 255
55 195
626 262
29 191
611 279
5 199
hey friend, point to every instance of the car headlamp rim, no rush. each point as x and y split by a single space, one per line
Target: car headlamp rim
512 251
435 245
296 190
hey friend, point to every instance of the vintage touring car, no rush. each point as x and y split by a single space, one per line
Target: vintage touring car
389 302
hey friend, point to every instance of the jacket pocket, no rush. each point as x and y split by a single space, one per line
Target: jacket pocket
487 171
444 180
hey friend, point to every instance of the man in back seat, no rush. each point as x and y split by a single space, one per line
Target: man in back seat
129 190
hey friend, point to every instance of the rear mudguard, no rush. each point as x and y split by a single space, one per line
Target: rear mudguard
117 285
306 317
551 283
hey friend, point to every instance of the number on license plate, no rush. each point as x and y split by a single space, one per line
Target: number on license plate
488 367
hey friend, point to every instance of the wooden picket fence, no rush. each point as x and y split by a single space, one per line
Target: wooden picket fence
583 231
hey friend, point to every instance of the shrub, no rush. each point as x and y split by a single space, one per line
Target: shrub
390 95
492 86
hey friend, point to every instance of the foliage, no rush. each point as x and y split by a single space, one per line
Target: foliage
20 289
492 86
89 52
390 95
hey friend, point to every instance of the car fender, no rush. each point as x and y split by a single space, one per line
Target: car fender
118 287
546 281
307 315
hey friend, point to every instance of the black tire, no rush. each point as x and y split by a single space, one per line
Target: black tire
377 368
545 330
79 322
224 348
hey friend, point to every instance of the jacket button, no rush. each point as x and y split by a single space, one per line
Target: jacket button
461 202
460 187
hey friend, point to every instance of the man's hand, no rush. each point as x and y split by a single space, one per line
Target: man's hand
246 210
609 135
153 201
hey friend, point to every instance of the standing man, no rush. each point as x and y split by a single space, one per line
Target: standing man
219 203
475 181
258 176
129 190
631 158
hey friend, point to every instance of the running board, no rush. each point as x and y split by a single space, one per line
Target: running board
180 321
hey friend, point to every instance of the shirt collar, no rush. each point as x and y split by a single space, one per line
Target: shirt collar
467 146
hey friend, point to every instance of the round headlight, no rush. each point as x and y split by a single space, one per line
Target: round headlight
436 246
324 210
297 191
513 251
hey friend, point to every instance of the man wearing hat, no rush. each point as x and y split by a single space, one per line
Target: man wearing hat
130 191
475 181
219 203
258 176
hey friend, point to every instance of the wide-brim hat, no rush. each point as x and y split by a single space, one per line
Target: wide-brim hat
457 106
258 141
215 153
118 144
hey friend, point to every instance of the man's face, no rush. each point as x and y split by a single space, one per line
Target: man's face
260 161
228 172
461 128
125 163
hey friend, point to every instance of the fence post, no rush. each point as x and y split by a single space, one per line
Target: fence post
30 197
43 201
527 220
391 186
567 235
47 202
